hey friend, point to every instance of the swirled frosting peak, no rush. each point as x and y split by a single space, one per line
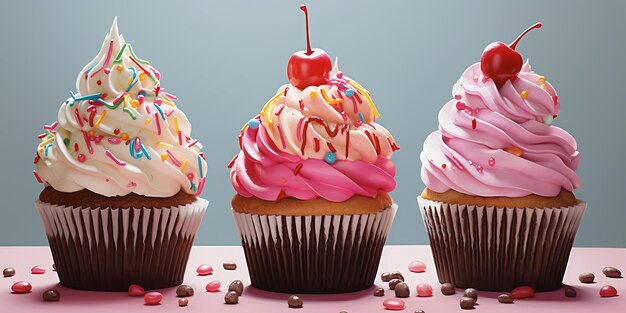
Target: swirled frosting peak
121 132
499 141
321 141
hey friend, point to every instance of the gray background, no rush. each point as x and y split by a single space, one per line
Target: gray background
224 59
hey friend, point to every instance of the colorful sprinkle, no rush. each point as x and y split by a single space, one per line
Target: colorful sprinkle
81 158
473 123
39 180
200 166
119 67
492 162
297 169
516 151
112 157
361 117
184 166
174 160
542 79
350 92
460 106
457 97
102 115
330 157
164 145
443 165
548 120
87 142
524 94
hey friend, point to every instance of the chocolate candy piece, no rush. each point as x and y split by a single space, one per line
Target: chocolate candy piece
447 289
236 286
608 291
522 292
136 291
230 266
21 287
294 302
394 282
586 278
379 292
505 298
231 297
467 303
396 275
184 291
153 298
471 293
183 302
394 304
51 295
570 292
385 277
8 272
612 272
419 311
402 290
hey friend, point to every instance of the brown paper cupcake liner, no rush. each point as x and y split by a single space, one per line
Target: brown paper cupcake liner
313 254
498 249
107 249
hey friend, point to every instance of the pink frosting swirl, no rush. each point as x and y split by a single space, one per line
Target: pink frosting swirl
499 142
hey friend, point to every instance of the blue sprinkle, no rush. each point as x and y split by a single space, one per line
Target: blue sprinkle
254 123
330 157
160 111
142 93
145 152
350 92
200 166
361 117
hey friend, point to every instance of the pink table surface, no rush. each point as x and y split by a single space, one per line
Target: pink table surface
254 300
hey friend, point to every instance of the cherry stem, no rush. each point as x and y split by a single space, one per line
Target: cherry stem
514 44
308 41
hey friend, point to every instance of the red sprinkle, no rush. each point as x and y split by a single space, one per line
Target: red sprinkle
523 292
474 124
297 169
153 298
393 304
460 106
443 165
136 291
39 180
37 157
608 291
21 287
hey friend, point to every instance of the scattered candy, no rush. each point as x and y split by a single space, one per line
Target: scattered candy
460 106
385 277
417 267
204 270
231 297
471 293
523 292
608 291
419 311
183 302
38 270
21 287
153 298
8 272
184 291
330 157
570 292
294 302
612 272
51 295
213 286
402 290
424 290
254 123
505 298
396 275
393 283
467 303
447 289
379 292
136 291
230 266
586 278
236 286
394 304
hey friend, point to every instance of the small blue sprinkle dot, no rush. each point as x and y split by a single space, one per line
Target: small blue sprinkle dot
350 92
142 93
330 157
254 123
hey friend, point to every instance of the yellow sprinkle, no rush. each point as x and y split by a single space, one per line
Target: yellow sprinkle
134 103
516 151
543 86
102 115
168 102
244 127
124 136
313 94
542 79
126 100
147 121
163 156
524 94
142 76
46 142
176 124
41 151
268 108
120 67
182 167
130 80
366 94
328 99
91 133
164 145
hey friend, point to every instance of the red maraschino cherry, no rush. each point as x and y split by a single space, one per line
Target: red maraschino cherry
501 62
310 67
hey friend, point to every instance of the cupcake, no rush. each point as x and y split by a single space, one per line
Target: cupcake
121 177
312 181
498 205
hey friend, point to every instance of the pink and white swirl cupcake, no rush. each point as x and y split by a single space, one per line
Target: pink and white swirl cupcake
498 205
312 182
122 175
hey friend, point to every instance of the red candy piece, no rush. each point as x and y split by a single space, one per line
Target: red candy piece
213 286
417 267
37 270
523 292
136 291
501 62
21 287
394 304
608 291
424 290
204 270
310 67
153 298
